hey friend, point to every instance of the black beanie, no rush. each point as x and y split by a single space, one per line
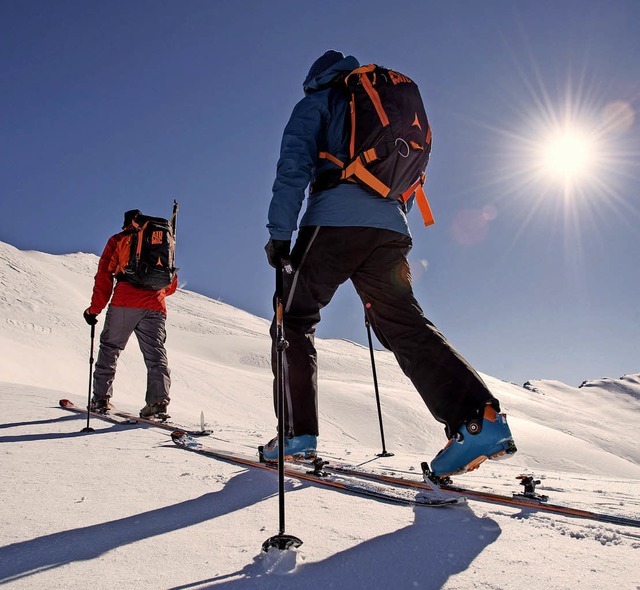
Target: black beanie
129 216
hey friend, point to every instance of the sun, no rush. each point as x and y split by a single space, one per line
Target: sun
568 155
562 159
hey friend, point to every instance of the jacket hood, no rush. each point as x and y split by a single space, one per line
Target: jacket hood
326 69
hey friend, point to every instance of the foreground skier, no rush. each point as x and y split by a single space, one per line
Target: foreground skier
348 233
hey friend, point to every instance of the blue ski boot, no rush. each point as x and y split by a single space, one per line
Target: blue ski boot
295 447
474 443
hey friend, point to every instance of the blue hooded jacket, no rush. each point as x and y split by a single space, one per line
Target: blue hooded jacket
318 123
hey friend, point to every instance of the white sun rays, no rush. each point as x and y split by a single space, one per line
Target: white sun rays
568 157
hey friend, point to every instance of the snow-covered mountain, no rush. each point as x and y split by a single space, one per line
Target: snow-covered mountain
125 506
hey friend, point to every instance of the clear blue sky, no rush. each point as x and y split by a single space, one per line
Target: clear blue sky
108 106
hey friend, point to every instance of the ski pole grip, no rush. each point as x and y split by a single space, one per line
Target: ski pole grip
283 267
279 283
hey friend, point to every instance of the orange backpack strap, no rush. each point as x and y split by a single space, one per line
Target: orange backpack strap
421 200
331 158
423 205
357 169
141 230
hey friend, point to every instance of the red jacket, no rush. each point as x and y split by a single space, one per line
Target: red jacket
125 295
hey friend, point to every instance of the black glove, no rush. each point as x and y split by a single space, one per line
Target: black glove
277 252
90 318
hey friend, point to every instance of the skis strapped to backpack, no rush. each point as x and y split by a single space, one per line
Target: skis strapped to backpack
145 255
390 138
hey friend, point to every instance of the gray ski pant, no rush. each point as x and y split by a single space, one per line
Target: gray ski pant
149 328
375 260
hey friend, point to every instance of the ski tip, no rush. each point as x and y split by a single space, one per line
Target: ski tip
200 432
65 403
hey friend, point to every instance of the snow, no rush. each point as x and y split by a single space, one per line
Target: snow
123 506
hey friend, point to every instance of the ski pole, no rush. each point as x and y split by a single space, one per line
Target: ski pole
281 540
367 323
174 224
174 218
88 428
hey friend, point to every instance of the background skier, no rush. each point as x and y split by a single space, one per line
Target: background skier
131 310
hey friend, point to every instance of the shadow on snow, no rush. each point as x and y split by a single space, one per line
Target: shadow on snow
26 558
440 543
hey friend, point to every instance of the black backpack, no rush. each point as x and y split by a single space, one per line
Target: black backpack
146 253
389 139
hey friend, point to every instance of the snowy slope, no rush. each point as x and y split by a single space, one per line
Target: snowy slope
123 505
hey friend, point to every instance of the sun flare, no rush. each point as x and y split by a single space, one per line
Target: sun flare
562 158
569 153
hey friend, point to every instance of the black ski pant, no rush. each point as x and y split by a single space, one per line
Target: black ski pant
375 260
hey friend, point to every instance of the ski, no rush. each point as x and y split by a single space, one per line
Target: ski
125 418
319 466
164 424
526 499
376 490
69 405
349 478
